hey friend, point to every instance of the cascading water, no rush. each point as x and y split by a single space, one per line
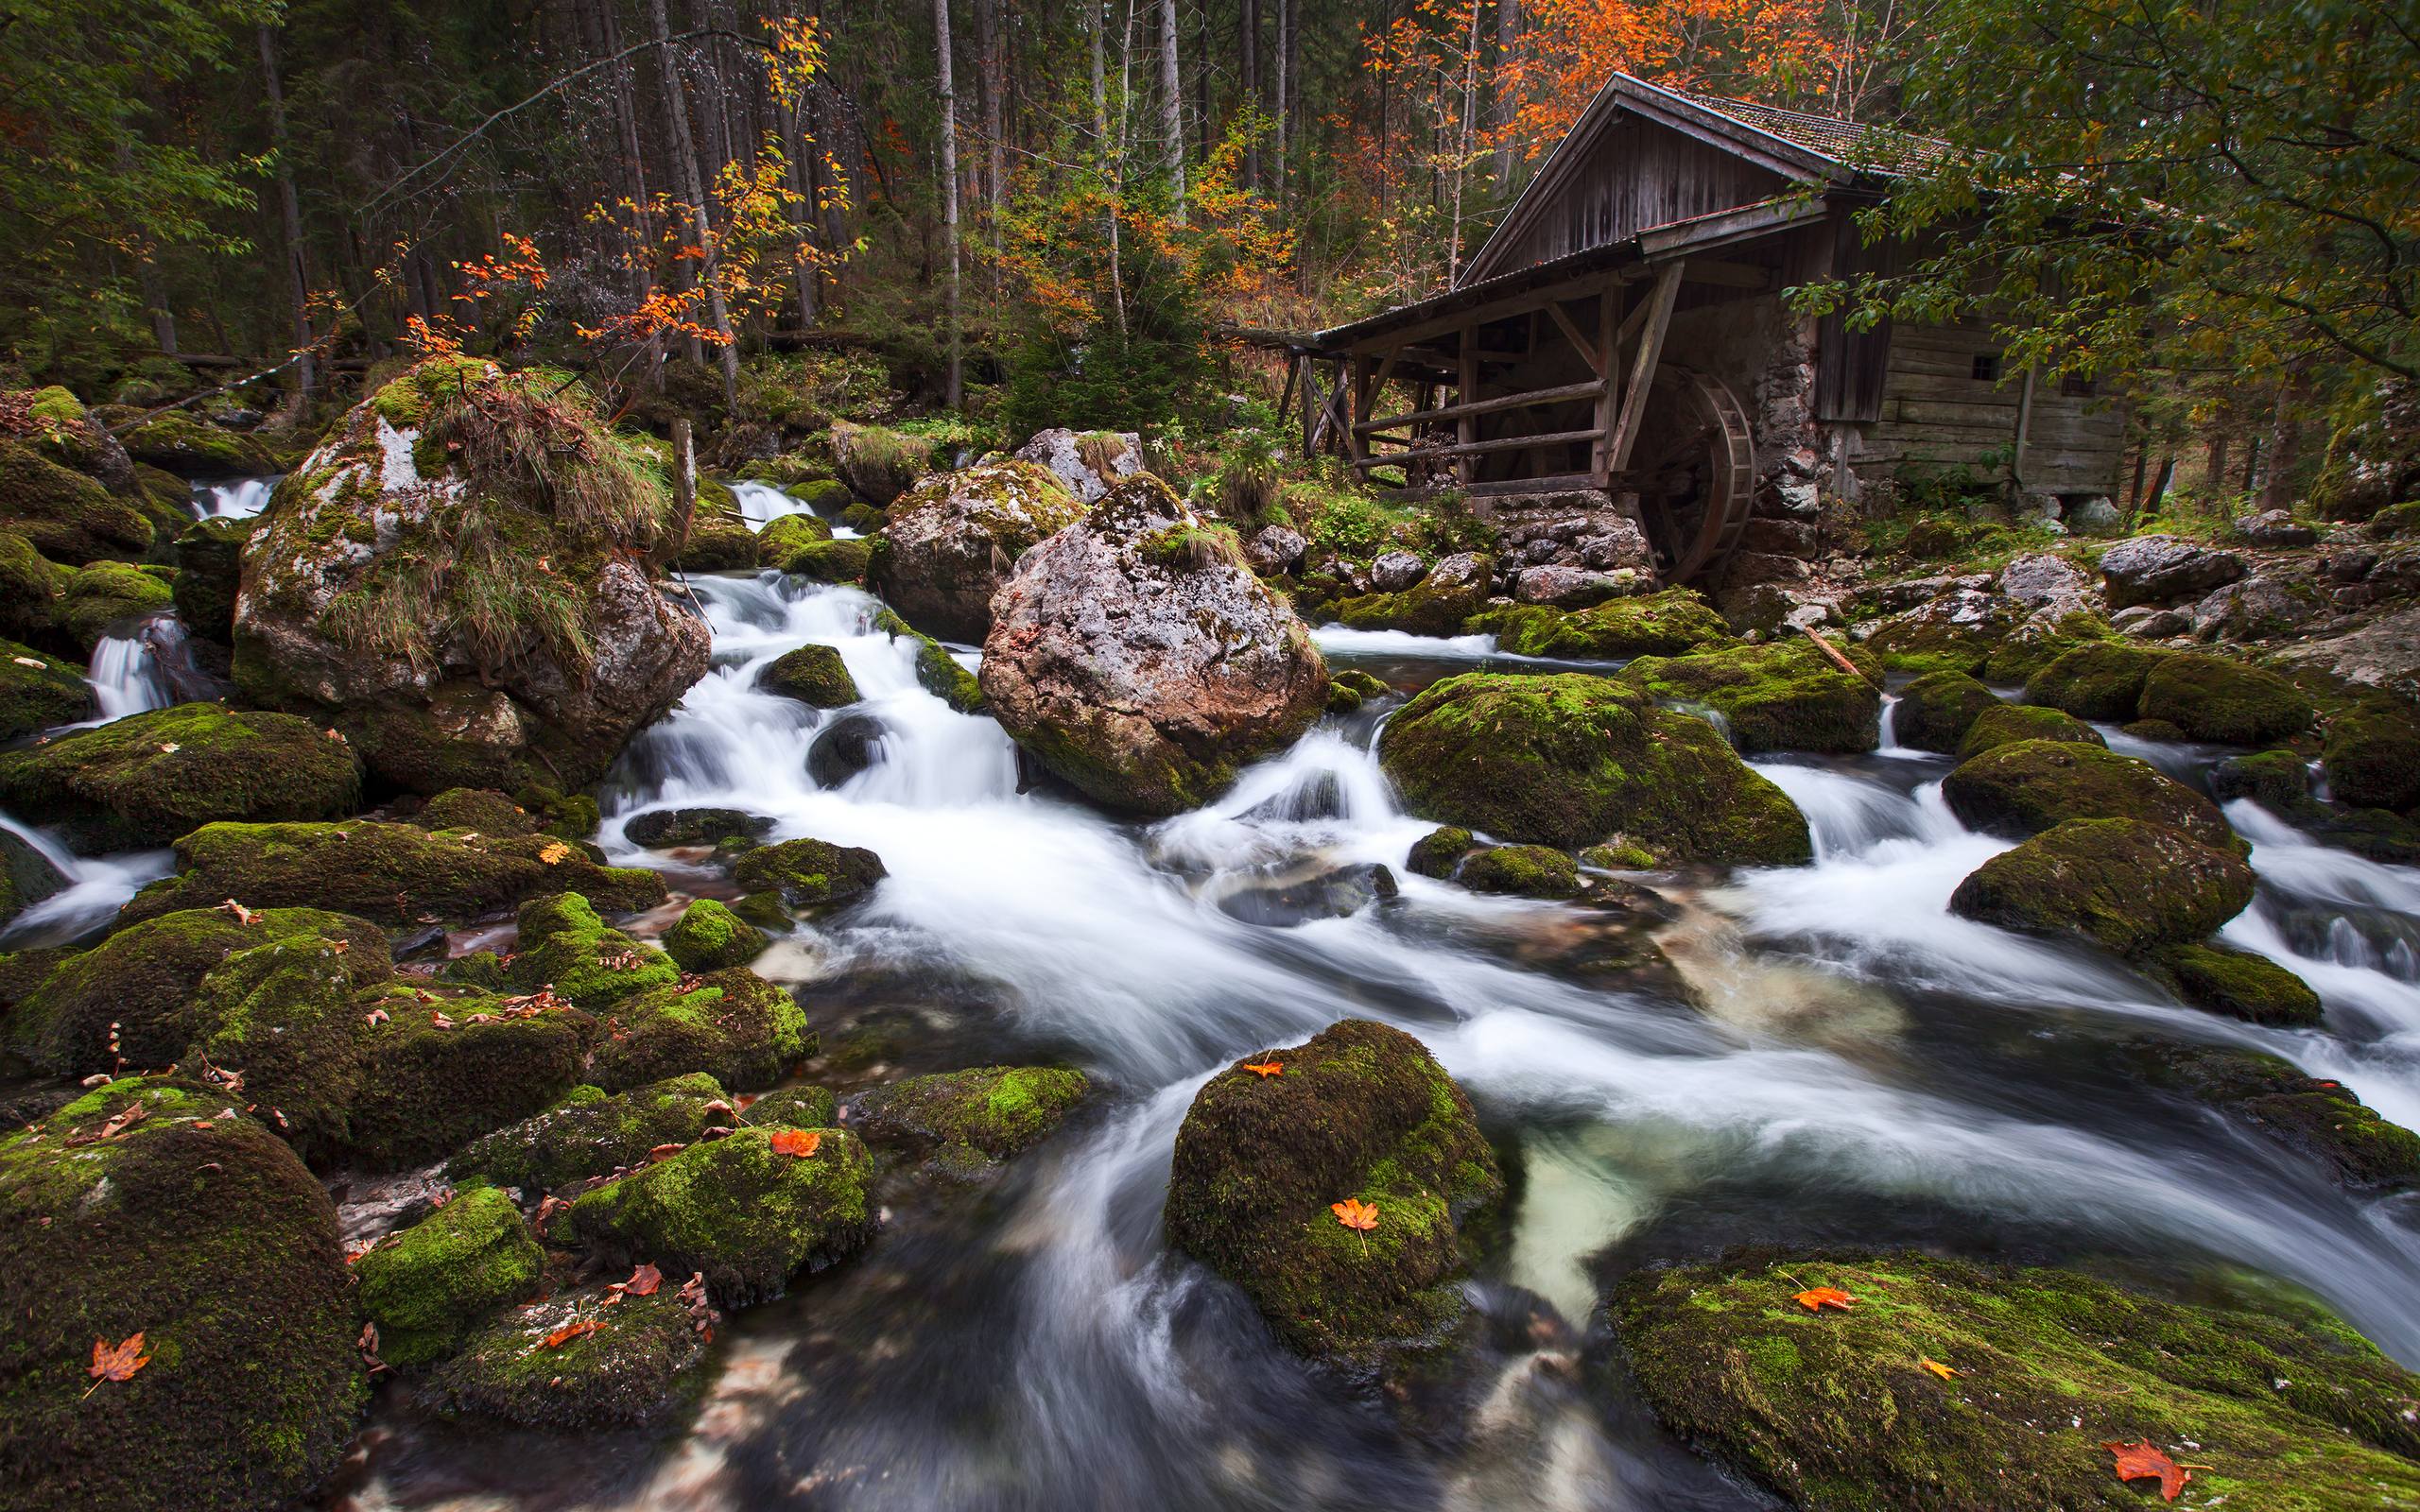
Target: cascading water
233 498
125 678
1832 1057
760 503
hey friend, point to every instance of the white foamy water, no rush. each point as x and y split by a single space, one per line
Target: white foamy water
1341 640
233 498
761 504
125 678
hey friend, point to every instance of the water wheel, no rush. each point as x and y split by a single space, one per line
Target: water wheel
1694 470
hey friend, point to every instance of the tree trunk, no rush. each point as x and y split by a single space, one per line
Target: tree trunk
1508 101
290 215
1171 107
949 194
2285 452
1463 146
693 188
1248 81
1284 107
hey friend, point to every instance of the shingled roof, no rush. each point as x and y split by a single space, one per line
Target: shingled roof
1851 144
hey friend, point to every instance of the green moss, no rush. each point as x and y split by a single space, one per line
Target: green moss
786 536
1935 710
209 565
709 937
937 670
390 872
589 1134
565 945
282 1016
67 516
2035 643
146 780
2395 520
1926 639
427 1088
746 1214
878 465
794 1107
1424 609
37 691
2283 1406
826 562
995 1112
480 810
1349 688
2210 698
1361 1112
2025 787
814 675
717 538
2100 682
1439 851
101 596
2128 884
2278 780
429 1288
2321 1119
2372 755
29 583
1568 759
1672 623
733 1024
644 1366
1618 858
2238 984
221 1250
1523 870
190 446
807 872
1782 696
2008 723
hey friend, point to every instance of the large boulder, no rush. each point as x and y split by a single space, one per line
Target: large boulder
38 691
1090 463
2101 681
2372 755
1570 759
808 871
1438 602
1672 623
148 779
878 465
814 675
2128 884
2210 698
2026 787
67 516
440 1071
1362 1114
587 1361
140 1210
2162 569
1955 632
591 1134
952 540
1935 710
430 1286
2012 722
731 1024
191 447
1139 657
966 1117
1787 695
107 597
468 619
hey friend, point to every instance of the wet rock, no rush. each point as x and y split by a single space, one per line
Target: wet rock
1136 654
952 538
2210 698
962 1119
878 465
428 1288
2052 1364
191 447
1568 587
1672 623
674 827
2008 723
845 748
1935 710
590 1134
1391 571
1362 1112
2276 780
107 597
1787 695
440 1071
2162 569
283 1015
2025 788
1090 463
2324 1119
25 876
1337 893
826 562
645 1366
1566 761
565 946
785 537
465 625
731 1024
2144 623
1522 871
1954 632
476 809
67 516
1349 688
746 1214
37 691
2038 579
2372 755
1437 853
220 1249
1440 603
718 539
2275 528
1275 550
794 1107
814 675
391 873
2102 680
209 557
2130 885
2240 985
709 937
808 871
2255 608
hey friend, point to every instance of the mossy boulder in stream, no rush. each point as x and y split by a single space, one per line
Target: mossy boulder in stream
566 946
146 779
2126 883
1440 851
1362 1113
2279 1405
2025 788
393 873
2276 780
825 561
1787 695
2012 722
205 1235
68 517
440 1071
967 1118
191 447
108 597
1441 603
2319 1118
29 583
733 1024
429 1287
643 1365
210 566
709 937
953 538
1568 759
280 1015
2102 680
747 1211
788 533
2210 698
591 1134
482 810
1522 871
814 675
2240 985
38 691
807 872
2372 755
1935 710
938 672
1672 623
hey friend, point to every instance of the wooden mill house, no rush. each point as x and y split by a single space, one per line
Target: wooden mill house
1622 342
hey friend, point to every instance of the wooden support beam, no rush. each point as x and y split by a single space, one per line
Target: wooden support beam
1511 304
1502 443
1487 406
1466 399
1658 305
1552 483
1571 334
1357 405
1609 392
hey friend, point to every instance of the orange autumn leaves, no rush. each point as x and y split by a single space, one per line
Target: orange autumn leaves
798 1141
1355 1214
117 1362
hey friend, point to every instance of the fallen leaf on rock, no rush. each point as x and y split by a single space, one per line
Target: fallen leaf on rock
1355 1214
374 1017
27 661
571 1330
800 1141
1264 1068
666 1152
553 851
1816 1298
1945 1372
439 1021
117 1362
243 915
644 1282
169 748
2142 1461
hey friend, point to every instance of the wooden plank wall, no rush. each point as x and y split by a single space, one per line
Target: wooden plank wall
1636 174
1935 410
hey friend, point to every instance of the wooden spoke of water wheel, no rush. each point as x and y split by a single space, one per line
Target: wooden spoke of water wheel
1694 472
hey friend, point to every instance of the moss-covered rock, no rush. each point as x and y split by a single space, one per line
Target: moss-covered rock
718 539
2210 698
37 691
2278 780
429 1288
2130 885
2322 1118
813 675
280 1015
799 1106
678 827
1568 759
190 446
825 561
148 779
210 559
709 937
106 595
1441 603
590 1134
2372 755
2102 680
746 1214
142 979
808 871
1672 623
1349 688
480 810
952 539
2040 640
437 1075
645 1366
565 945
937 672
965 1117
1439 851
65 515
27 877
1522 870
787 535
2280 1404
29 583
1935 710
2238 984
1362 1112
2024 788
2012 722
390 872
1782 696
1956 633
877 464
205 1235
733 1024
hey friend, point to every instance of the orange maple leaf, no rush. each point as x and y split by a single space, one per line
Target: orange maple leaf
1944 1371
2142 1460
1265 1067
117 1362
642 1281
1355 1214
571 1330
1817 1298
795 1142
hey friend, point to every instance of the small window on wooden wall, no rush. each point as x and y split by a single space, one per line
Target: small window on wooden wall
2076 386
1987 367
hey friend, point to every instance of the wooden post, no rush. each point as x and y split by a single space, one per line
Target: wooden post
1356 409
1466 392
1601 458
1642 371
2024 422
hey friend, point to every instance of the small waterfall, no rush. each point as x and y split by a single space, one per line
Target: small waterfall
761 504
97 887
233 498
127 676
